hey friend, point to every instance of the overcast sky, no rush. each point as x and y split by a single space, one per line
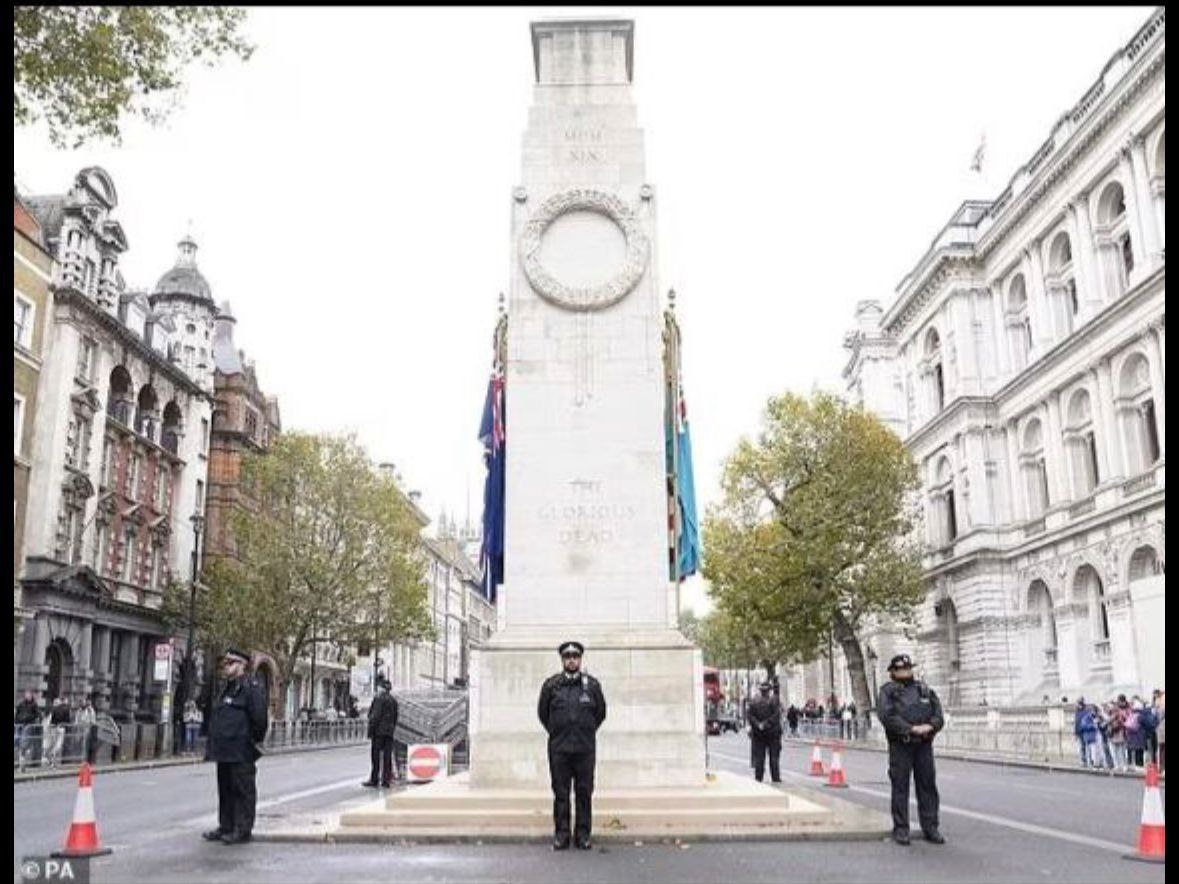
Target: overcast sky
350 188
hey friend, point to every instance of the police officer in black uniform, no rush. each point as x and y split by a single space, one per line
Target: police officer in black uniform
237 723
912 716
765 729
382 724
572 708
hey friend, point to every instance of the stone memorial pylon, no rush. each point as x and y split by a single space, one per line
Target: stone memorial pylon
586 528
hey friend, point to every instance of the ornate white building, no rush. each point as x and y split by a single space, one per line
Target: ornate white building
1023 363
119 461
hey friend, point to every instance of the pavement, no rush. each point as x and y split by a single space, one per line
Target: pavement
1002 824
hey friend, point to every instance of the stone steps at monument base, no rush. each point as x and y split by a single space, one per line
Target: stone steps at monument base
505 800
648 819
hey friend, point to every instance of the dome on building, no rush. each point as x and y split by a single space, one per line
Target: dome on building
184 278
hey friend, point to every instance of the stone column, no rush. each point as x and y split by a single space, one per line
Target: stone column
1110 459
1151 246
102 654
976 474
1056 462
1123 664
1155 345
1133 205
1068 657
1019 508
966 374
1038 307
1089 282
1001 340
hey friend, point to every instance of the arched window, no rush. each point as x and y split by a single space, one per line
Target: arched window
172 428
1034 467
1113 237
1144 564
1062 282
1136 414
1019 323
945 519
147 414
1043 637
933 362
1089 591
1081 439
118 400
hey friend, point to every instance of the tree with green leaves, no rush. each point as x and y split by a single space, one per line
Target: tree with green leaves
82 68
814 535
329 541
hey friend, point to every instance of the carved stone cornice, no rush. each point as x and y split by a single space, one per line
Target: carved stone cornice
1081 139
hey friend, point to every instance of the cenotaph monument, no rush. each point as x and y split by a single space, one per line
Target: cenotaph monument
586 527
586 519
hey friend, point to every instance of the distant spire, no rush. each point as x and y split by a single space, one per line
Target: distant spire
976 164
186 251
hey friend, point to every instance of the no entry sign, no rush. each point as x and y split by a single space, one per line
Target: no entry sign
427 761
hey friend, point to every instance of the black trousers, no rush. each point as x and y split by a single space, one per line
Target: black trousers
382 754
576 770
237 796
761 747
914 758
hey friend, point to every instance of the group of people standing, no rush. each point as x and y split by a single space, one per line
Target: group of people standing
1122 734
49 728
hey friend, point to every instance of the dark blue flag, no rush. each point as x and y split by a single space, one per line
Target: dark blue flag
491 434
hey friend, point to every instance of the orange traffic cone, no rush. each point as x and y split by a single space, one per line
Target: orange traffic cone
837 780
82 838
1152 834
817 761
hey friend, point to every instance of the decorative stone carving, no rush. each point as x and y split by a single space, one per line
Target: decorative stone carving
595 297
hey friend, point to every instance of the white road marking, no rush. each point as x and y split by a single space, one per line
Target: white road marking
1006 822
307 793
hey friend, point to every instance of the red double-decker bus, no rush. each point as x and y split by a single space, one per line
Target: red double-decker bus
715 721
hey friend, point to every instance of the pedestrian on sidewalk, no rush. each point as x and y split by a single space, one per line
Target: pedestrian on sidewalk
1079 720
1135 733
25 720
792 719
87 722
382 723
1161 730
193 719
912 716
55 727
1117 732
238 721
765 730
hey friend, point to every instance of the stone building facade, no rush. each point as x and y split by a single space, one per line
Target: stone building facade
1023 363
32 269
119 464
245 420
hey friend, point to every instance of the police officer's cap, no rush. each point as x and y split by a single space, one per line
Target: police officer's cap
900 661
571 648
235 654
765 686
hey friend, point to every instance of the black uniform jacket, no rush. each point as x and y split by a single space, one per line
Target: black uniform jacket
904 704
571 710
237 722
765 718
382 716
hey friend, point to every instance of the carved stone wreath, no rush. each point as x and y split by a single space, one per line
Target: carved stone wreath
595 297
